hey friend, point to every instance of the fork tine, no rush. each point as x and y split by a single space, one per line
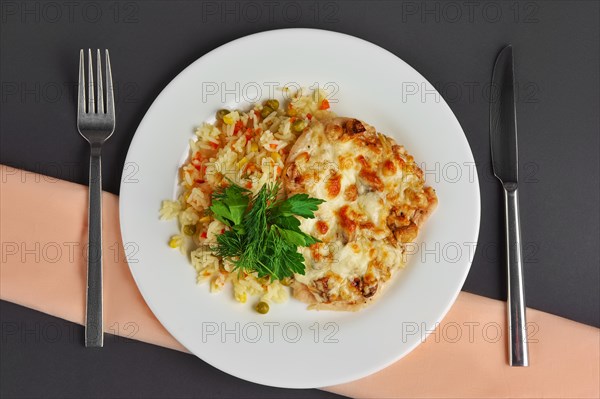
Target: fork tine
110 98
99 90
81 89
91 100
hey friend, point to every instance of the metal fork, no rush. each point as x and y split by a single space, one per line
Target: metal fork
96 123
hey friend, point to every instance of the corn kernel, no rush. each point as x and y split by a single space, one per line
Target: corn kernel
253 147
241 297
228 119
175 241
242 162
204 219
275 156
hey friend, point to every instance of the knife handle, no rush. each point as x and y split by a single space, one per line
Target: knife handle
518 351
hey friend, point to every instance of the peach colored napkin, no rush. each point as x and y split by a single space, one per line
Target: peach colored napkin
43 235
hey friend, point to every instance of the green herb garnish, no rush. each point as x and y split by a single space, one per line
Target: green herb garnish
265 233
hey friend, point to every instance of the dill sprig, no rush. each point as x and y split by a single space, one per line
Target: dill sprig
264 233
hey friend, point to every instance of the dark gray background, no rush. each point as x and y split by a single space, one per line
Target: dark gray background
452 44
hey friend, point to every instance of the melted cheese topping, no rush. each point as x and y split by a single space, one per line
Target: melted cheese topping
375 201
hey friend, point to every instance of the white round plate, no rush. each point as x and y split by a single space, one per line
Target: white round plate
291 346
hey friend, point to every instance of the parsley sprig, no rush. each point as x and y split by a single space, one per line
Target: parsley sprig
264 232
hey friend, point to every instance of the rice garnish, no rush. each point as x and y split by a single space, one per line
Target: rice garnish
250 150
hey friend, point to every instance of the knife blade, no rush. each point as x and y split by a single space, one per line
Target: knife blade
504 151
503 119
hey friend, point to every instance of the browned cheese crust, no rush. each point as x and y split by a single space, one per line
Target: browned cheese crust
376 203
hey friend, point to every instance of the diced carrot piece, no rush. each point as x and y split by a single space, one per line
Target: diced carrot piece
324 104
238 126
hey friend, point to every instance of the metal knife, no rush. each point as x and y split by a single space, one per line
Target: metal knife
503 142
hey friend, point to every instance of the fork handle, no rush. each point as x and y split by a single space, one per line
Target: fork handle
94 328
517 323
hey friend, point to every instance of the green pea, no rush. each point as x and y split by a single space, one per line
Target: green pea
286 281
221 113
266 111
273 104
298 126
189 229
262 307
